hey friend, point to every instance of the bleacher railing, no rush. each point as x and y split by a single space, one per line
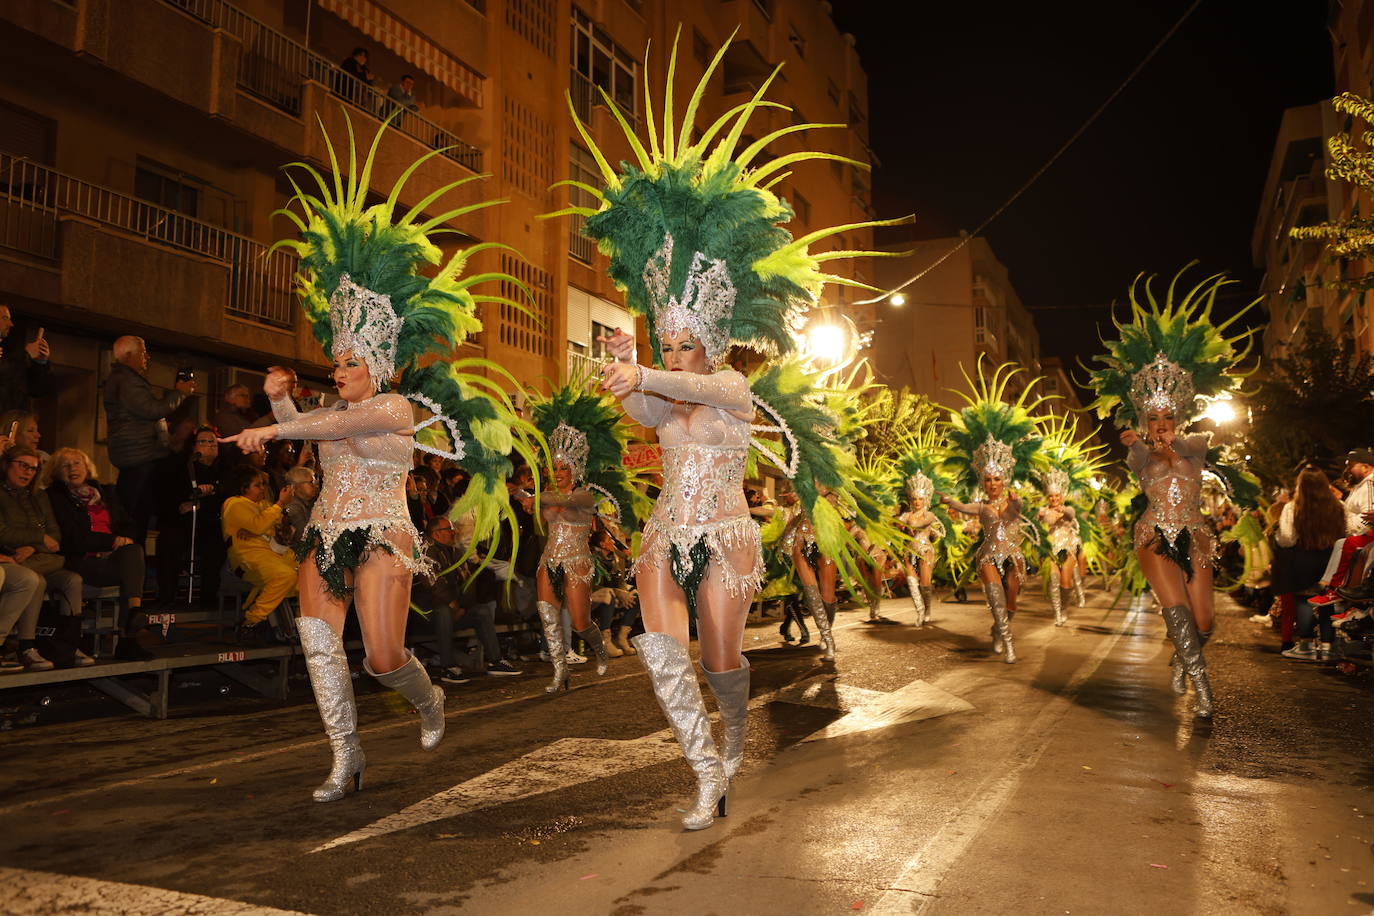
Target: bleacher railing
34 197
274 67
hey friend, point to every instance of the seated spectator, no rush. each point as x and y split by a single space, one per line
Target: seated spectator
281 458
438 504
248 522
189 498
236 413
403 93
614 602
21 599
26 434
97 538
28 532
1309 525
417 499
474 608
301 482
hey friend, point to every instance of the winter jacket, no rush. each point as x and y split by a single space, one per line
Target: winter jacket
136 418
74 522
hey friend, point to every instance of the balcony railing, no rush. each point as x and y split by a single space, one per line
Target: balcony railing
582 94
274 67
581 365
33 198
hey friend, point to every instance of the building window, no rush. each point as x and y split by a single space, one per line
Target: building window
765 7
533 20
701 48
167 188
856 114
598 62
797 117
599 331
581 167
26 134
832 91
798 42
802 208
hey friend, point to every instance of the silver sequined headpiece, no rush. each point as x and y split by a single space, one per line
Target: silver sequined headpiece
993 457
569 446
1163 386
707 303
919 486
1055 481
365 323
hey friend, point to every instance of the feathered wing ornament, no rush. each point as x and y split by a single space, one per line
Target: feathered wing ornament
598 425
361 286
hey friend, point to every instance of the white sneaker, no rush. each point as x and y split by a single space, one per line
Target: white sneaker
1260 618
33 661
573 658
82 660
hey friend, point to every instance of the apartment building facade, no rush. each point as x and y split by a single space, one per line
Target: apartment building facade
141 145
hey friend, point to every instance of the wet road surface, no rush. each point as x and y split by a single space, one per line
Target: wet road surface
919 774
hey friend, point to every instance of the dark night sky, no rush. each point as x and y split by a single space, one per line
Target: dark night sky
968 100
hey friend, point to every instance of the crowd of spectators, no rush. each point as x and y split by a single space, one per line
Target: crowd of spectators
195 519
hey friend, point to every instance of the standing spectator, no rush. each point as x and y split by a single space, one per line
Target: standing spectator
29 530
476 608
137 421
281 460
26 434
304 490
1309 524
417 499
1359 523
403 93
97 538
24 375
190 494
248 523
355 65
236 413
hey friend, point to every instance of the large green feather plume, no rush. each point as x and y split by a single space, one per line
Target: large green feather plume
986 412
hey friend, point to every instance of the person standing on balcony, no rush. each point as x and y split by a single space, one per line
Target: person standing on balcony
24 375
137 421
403 93
355 65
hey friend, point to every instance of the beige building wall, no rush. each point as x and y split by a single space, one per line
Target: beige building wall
140 161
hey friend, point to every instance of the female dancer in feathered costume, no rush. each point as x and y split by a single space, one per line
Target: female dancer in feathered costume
587 442
928 524
1168 357
992 444
1072 462
378 316
695 238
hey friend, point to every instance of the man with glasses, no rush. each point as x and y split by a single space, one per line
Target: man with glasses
456 608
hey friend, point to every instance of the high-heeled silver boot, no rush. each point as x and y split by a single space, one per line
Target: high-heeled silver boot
732 697
1057 602
411 681
679 696
333 686
1001 620
1183 632
811 594
597 644
550 617
927 599
874 599
1079 597
917 599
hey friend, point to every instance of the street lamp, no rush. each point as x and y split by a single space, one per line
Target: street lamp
1220 411
830 341
897 299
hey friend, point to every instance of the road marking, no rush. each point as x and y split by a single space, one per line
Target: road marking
31 893
572 761
913 890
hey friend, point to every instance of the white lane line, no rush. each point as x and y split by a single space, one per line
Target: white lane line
40 893
913 890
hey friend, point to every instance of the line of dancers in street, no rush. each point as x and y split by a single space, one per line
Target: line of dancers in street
698 243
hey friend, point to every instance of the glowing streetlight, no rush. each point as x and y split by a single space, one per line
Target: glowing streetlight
1220 412
897 299
827 342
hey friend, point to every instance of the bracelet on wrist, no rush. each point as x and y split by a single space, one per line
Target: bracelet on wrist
639 378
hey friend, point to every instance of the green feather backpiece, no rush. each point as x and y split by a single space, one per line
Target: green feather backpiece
986 412
597 416
1181 328
471 418
706 193
1242 487
924 452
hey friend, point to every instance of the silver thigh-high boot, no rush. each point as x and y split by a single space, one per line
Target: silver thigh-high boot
1080 598
597 643
812 595
928 601
553 639
918 601
874 599
333 686
1183 632
1178 676
1001 620
679 696
732 698
411 681
1057 602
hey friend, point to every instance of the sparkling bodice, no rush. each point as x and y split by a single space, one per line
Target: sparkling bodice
701 484
1173 489
569 526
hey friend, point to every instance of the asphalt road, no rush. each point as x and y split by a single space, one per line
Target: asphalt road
918 774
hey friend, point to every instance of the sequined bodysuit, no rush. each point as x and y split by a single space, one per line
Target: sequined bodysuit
1174 494
926 528
1002 534
567 552
1064 538
365 453
701 505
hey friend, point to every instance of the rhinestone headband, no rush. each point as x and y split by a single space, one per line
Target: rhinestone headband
364 323
993 457
707 303
1055 481
919 486
569 446
1163 386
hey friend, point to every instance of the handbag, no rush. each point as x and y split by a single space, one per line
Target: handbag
58 636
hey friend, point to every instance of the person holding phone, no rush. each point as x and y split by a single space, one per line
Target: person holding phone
24 371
